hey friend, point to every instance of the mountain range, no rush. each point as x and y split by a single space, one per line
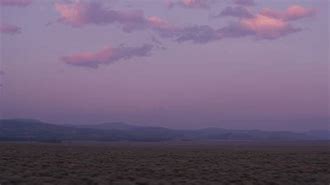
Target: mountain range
35 130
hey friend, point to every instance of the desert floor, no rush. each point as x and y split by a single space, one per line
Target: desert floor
181 163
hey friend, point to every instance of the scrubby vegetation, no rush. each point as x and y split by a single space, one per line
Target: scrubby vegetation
165 163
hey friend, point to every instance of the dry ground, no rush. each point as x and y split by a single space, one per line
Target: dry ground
165 163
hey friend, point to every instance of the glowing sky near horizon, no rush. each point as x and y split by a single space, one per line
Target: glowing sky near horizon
239 64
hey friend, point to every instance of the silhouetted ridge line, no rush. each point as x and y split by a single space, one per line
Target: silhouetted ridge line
35 130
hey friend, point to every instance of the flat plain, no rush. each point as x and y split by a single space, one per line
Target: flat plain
165 163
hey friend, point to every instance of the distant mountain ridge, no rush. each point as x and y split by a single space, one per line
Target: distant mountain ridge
35 130
111 125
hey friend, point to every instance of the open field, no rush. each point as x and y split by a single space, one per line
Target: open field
202 163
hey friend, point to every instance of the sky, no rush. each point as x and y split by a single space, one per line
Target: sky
238 64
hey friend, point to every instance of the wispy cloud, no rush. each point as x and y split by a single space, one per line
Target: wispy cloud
294 12
6 28
194 4
197 34
108 55
78 14
244 2
271 24
266 24
258 26
237 11
17 3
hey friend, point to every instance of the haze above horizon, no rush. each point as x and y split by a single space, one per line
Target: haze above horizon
234 64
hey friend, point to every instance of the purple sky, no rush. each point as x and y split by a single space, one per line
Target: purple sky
239 64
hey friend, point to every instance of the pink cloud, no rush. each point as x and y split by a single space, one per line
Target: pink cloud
80 13
297 12
267 24
163 27
159 23
72 14
294 12
247 27
267 27
259 26
18 3
203 4
108 55
9 29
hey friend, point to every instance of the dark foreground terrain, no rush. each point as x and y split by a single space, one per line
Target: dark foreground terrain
179 163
